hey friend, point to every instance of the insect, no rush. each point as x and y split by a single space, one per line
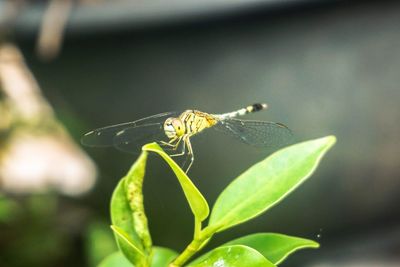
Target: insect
174 129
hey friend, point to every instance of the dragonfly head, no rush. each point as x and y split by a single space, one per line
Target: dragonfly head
174 127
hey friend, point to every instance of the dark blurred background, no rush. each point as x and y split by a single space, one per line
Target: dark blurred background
324 67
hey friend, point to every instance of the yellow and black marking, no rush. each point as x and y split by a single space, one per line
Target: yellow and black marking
196 121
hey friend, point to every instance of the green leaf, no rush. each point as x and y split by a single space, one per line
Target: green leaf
115 260
121 214
128 248
267 182
127 214
197 202
232 256
275 247
134 195
162 256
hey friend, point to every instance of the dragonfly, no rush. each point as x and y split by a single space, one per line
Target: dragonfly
174 130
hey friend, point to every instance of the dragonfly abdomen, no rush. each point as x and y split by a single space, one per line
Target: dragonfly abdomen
243 111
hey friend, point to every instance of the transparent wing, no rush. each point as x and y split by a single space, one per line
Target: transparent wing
106 136
257 133
132 139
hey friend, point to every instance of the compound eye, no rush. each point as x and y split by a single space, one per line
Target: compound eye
168 122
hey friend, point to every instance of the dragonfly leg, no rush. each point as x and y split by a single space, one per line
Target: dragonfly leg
170 143
190 152
183 149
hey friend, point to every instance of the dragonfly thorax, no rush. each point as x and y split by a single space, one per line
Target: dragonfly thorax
174 127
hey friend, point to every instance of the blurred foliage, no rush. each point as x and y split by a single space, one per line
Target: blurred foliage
8 210
99 242
44 230
32 234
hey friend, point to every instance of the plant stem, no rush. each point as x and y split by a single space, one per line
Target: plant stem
189 251
200 238
197 228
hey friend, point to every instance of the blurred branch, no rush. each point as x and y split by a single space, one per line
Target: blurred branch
20 87
8 13
52 30
52 27
37 153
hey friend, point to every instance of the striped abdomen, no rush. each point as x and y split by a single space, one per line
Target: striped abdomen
249 109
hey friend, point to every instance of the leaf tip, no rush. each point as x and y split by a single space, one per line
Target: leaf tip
151 147
325 142
331 139
314 244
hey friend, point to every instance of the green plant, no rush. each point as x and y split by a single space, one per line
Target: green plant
256 190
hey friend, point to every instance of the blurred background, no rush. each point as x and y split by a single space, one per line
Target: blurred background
324 67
